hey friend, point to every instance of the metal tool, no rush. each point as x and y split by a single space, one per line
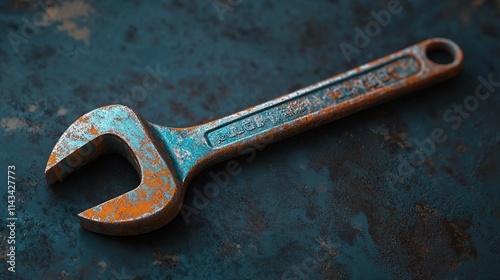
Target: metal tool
167 158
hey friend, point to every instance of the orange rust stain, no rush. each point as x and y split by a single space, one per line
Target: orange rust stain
76 136
52 159
144 142
122 208
334 94
93 130
157 159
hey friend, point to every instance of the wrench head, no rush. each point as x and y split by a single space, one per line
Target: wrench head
119 129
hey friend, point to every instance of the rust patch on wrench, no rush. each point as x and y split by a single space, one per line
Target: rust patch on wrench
367 82
168 158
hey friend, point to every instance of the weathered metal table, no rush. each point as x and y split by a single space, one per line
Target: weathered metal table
346 200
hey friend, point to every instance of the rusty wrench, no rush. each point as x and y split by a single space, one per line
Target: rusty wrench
167 158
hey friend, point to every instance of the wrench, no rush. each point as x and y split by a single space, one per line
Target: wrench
168 158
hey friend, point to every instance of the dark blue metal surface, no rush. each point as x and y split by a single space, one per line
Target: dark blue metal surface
319 205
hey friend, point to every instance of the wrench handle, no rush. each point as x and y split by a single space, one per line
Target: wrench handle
381 80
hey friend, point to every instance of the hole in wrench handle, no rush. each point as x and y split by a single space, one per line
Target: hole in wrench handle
381 80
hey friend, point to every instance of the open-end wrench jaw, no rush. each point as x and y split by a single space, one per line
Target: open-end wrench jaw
119 129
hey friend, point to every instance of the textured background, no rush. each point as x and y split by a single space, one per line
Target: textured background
321 193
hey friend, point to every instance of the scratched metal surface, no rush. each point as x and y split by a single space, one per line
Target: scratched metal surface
318 205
